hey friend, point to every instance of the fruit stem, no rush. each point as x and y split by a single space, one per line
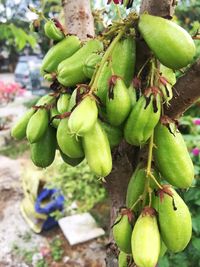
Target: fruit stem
136 202
144 65
104 59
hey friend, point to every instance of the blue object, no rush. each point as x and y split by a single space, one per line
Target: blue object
56 201
49 223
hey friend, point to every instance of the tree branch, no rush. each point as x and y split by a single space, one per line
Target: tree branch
186 92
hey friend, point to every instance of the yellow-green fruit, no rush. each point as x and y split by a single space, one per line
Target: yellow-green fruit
171 156
63 103
136 186
163 249
55 122
118 105
68 143
46 100
70 70
97 151
37 125
72 162
171 44
62 50
72 101
43 152
53 32
18 131
124 259
174 221
122 231
145 240
83 117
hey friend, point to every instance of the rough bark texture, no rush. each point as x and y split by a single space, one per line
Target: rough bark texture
78 18
186 92
158 8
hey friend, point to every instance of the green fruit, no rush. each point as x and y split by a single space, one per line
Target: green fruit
46 100
55 122
122 231
132 95
70 70
97 151
72 162
118 105
171 44
113 133
103 82
53 32
123 259
69 144
163 249
142 121
170 76
37 125
171 156
63 103
18 131
123 59
122 64
83 117
90 64
62 50
43 152
174 220
137 184
146 240
72 101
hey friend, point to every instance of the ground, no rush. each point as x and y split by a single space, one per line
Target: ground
19 246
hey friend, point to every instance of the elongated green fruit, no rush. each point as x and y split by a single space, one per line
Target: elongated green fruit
55 122
70 71
53 32
122 231
67 142
170 77
171 156
113 133
73 162
83 117
124 259
163 249
19 129
132 94
119 105
97 151
141 121
122 64
90 64
123 59
137 184
63 103
72 101
176 230
146 239
62 50
171 44
37 125
103 82
46 100
43 151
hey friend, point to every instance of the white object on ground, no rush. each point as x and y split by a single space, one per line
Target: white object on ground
80 228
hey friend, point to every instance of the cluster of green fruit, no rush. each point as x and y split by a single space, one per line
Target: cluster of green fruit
96 103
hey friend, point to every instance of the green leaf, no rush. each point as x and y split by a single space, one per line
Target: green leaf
196 243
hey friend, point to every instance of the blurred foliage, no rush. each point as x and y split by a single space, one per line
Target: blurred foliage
79 185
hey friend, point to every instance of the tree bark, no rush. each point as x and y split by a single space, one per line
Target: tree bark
186 92
78 18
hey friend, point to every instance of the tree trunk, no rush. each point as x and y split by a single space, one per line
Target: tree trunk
78 18
125 158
